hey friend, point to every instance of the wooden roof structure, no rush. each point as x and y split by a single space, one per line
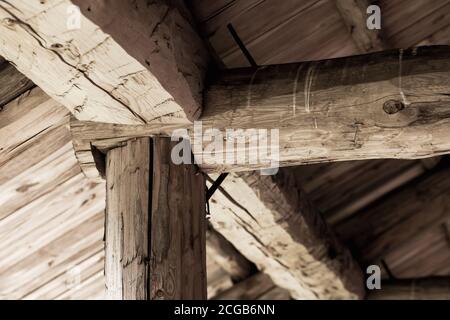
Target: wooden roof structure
266 238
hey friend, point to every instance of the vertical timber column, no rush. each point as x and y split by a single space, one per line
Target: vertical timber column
155 224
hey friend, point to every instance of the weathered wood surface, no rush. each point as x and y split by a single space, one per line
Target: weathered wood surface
12 83
225 255
391 104
178 261
127 63
155 227
51 217
400 217
271 222
271 30
127 221
342 189
354 14
437 288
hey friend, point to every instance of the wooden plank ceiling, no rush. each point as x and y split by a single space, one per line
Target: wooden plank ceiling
51 216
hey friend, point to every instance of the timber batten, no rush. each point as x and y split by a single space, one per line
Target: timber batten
155 225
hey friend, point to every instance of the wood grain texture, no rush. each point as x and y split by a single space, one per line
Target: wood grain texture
273 224
12 83
354 14
400 217
274 31
127 221
342 189
341 109
178 251
155 227
392 104
146 69
413 289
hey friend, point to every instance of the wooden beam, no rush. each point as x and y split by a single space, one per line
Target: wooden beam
155 224
126 62
271 222
407 213
354 14
393 104
413 289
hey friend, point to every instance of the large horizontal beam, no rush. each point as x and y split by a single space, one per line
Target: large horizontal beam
115 61
225 255
393 104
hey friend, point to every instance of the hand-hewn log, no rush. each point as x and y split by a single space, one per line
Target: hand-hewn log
393 104
413 289
271 222
230 260
402 215
354 14
155 224
123 63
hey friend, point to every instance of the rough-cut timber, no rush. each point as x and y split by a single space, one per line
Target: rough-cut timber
178 261
399 217
354 14
256 287
271 222
155 224
393 104
437 288
128 62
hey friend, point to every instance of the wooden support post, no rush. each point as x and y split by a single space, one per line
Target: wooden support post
155 224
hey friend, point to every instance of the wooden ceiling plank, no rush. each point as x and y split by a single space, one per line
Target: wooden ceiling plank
91 289
45 219
38 180
73 279
435 288
406 213
57 257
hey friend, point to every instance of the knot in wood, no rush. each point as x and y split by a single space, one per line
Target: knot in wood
8 22
393 106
